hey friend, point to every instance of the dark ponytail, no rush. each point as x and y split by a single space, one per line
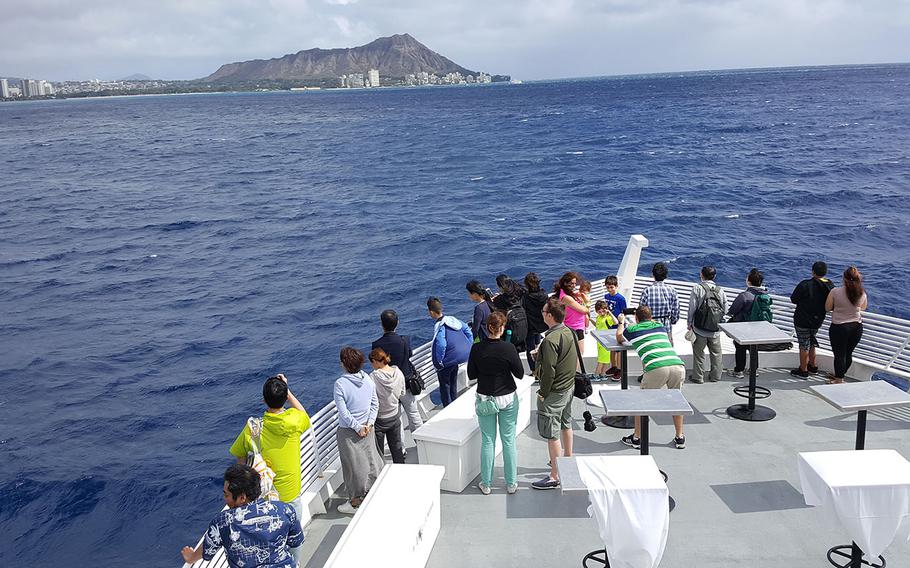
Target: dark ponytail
853 282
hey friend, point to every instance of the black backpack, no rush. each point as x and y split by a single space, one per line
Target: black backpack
412 379
517 323
710 312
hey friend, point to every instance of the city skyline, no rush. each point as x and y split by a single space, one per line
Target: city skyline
66 40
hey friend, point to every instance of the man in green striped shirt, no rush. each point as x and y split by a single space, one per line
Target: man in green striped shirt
662 366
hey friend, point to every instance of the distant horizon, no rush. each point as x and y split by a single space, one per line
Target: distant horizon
528 80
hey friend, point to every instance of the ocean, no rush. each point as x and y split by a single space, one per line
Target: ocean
161 256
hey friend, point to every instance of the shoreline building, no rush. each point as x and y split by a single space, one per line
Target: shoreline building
373 77
4 89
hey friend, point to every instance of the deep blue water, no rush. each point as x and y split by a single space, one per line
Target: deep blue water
160 256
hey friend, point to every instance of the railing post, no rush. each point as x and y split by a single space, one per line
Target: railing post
320 469
628 268
898 353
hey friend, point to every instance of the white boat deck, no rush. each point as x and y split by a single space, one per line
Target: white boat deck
736 487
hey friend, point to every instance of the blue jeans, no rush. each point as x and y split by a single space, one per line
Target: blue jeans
532 342
507 419
448 384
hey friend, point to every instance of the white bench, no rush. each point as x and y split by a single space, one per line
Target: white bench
422 359
397 523
451 438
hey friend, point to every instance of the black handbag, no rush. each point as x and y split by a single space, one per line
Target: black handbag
583 388
412 380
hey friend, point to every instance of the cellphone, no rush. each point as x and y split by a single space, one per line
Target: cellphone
488 291
629 312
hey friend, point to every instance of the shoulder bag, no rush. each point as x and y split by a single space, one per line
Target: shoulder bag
583 388
255 460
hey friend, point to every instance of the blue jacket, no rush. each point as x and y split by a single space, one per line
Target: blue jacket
452 340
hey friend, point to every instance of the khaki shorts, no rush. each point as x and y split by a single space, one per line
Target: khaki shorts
554 413
671 377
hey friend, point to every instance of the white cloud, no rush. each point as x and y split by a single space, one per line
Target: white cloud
58 39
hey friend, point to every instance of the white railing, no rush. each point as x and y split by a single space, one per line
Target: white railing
885 345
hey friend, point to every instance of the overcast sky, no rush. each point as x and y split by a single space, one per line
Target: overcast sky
535 39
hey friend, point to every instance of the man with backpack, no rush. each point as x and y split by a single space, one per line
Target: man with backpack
752 304
809 296
707 306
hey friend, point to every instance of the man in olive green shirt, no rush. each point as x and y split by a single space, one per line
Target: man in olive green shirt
555 369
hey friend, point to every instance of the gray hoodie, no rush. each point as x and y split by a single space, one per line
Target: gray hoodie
389 389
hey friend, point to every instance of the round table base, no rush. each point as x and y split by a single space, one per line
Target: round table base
759 414
598 556
845 552
618 421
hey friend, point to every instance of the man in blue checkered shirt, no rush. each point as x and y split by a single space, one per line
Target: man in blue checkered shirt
662 299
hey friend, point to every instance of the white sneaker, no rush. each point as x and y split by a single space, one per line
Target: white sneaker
512 489
736 374
485 489
346 508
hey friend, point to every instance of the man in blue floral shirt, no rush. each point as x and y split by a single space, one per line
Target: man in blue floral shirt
255 533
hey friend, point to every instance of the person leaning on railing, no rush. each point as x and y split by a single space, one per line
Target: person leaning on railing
253 531
357 404
494 364
846 304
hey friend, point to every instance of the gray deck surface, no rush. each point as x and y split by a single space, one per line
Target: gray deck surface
736 486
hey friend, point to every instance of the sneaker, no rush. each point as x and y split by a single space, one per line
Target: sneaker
696 381
734 374
485 489
512 489
617 376
799 373
631 441
812 368
546 483
612 371
346 508
680 442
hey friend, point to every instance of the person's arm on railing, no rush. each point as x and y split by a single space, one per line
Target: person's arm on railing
191 555
829 303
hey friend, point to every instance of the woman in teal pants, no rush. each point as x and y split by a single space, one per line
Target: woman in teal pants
494 364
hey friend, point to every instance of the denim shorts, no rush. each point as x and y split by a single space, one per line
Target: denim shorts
805 336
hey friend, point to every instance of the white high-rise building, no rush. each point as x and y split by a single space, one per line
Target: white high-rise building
4 89
374 77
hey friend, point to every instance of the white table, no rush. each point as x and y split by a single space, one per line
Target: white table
862 397
753 334
646 403
607 339
628 502
451 437
869 491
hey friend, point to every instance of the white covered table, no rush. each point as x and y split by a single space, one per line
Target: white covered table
628 501
869 491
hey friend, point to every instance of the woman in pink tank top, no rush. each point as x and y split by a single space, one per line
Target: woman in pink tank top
846 305
576 312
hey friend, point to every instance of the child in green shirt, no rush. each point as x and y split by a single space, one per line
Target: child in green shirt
605 320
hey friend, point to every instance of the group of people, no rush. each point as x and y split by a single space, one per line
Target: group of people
551 330
813 298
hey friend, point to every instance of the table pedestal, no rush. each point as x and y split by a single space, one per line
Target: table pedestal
645 423
750 411
851 557
621 421
597 558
